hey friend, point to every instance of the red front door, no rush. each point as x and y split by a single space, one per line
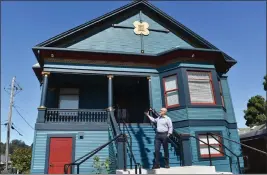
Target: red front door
60 153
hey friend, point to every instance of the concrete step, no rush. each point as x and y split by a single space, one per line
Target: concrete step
177 170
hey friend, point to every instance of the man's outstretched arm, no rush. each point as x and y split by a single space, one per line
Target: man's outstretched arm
151 118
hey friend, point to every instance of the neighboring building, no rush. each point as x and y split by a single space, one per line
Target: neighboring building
119 60
255 137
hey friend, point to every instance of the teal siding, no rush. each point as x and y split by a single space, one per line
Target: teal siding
236 148
92 139
205 113
156 92
228 101
125 40
184 130
33 152
178 115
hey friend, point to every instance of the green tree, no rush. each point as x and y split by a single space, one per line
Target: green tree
255 113
21 159
14 144
265 83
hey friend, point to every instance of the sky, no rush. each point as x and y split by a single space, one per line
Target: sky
237 28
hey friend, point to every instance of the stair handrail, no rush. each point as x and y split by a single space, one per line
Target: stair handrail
132 158
89 155
114 124
242 144
233 141
128 144
117 133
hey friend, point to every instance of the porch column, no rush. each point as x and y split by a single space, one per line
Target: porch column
44 89
150 92
110 93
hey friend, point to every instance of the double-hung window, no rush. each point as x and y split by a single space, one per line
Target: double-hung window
204 150
200 87
171 91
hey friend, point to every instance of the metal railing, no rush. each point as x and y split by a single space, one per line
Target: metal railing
129 145
87 156
75 115
241 144
115 129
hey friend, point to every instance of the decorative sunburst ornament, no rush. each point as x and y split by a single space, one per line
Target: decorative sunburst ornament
141 28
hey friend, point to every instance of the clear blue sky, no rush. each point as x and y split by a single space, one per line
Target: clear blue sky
238 28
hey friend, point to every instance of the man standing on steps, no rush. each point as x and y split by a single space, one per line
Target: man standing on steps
164 130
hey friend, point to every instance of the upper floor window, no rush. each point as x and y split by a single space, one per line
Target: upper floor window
204 150
69 98
221 93
200 87
171 91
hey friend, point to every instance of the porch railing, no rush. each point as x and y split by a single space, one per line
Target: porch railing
75 115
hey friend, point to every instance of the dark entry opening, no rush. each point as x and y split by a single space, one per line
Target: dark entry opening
131 97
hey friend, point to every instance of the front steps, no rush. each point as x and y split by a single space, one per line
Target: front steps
177 170
143 136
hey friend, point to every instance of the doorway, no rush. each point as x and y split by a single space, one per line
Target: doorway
60 153
131 97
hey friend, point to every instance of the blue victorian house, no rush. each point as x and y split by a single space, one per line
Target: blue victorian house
99 78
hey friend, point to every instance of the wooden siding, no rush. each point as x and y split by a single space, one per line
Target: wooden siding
125 40
178 115
236 148
228 101
205 113
92 139
156 92
184 130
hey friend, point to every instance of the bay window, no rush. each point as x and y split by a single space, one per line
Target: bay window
171 91
200 87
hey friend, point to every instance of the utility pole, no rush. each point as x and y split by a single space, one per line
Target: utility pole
9 119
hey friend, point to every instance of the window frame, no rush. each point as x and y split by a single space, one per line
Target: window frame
211 84
165 92
216 156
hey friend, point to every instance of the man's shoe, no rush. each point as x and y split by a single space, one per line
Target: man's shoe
167 166
156 167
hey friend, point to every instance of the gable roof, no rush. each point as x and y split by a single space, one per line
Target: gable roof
146 7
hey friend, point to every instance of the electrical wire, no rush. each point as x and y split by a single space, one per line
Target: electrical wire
22 117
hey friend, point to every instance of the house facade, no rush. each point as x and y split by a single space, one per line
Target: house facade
131 59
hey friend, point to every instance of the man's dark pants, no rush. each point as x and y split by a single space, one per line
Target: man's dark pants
161 138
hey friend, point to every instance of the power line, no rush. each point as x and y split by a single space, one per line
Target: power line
12 127
22 117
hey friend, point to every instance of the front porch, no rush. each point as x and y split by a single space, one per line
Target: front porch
77 99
